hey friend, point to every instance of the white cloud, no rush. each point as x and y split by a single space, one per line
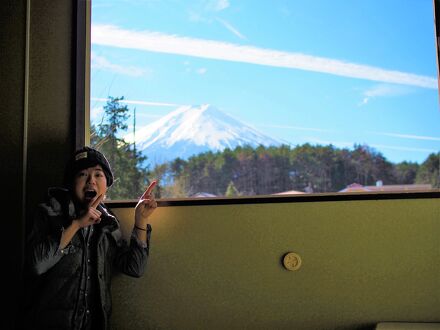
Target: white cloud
187 67
383 90
96 113
218 5
209 6
231 28
157 104
163 43
400 148
194 16
409 136
100 62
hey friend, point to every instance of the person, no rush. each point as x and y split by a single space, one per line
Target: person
74 244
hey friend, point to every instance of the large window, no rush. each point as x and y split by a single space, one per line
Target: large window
248 98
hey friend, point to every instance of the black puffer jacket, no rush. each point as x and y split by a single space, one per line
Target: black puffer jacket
56 299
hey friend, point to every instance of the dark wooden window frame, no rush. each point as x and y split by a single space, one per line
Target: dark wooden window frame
81 110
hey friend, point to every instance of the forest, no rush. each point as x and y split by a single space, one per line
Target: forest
246 170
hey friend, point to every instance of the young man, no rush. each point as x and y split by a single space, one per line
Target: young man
74 244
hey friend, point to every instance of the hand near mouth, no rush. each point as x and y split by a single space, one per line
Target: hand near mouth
88 218
92 215
97 201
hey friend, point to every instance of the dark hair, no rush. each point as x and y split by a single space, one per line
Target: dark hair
84 158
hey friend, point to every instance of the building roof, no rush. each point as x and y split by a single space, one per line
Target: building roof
203 194
356 187
290 192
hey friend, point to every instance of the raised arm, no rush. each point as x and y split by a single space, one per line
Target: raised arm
90 217
144 208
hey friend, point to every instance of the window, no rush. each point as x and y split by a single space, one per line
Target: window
247 98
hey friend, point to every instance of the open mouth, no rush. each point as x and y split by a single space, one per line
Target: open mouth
89 194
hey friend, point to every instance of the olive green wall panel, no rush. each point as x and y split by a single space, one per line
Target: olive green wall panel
220 267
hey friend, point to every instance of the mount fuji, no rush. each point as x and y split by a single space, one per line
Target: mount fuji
190 130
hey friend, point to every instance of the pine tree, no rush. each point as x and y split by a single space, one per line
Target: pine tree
131 176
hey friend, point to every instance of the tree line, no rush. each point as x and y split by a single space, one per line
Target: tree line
250 171
307 168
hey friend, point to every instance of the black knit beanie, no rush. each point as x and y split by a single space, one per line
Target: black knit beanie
84 158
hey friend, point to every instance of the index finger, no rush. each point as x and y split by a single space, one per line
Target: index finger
149 189
97 201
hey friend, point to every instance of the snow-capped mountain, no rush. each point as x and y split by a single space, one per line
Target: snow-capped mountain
190 130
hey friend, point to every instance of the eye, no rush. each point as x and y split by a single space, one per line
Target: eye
82 174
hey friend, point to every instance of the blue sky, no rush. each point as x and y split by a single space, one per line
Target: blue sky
325 72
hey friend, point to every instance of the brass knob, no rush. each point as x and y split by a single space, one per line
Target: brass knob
292 261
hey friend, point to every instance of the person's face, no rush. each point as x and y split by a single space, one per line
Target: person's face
89 184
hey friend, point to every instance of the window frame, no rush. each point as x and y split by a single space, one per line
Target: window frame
81 62
81 108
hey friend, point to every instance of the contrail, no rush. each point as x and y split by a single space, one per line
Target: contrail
114 36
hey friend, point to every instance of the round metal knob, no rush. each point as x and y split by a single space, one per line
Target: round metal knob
292 261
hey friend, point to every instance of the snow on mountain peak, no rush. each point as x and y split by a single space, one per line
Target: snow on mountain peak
189 130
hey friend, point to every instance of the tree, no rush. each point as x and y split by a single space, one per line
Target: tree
266 170
370 166
429 171
406 172
131 177
116 115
